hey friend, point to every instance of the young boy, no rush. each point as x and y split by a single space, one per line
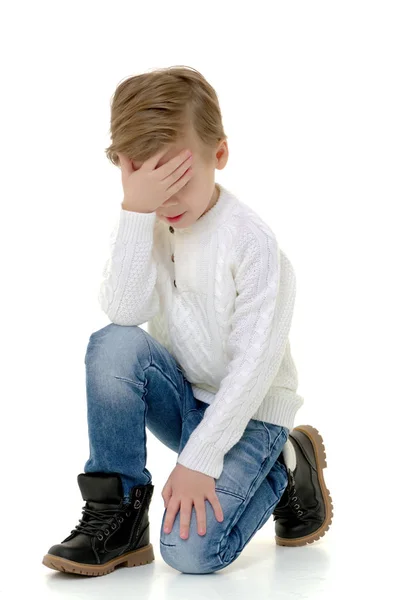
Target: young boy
213 378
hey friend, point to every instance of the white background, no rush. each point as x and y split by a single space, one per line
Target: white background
309 93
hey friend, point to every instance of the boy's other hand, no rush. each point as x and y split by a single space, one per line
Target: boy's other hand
183 489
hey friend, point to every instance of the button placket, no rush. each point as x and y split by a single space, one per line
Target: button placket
172 230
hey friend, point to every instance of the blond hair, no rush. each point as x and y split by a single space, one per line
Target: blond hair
153 110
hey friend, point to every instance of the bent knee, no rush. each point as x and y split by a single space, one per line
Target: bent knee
114 343
183 559
190 555
113 329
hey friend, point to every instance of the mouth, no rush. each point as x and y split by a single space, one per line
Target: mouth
172 219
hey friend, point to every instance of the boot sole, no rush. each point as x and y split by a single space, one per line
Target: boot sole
142 556
319 449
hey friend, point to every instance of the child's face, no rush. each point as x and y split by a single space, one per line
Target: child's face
200 193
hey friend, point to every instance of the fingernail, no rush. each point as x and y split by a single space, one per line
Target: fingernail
166 529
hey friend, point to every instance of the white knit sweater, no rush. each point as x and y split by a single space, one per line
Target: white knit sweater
219 295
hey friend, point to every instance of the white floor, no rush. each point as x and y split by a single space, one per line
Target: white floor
338 564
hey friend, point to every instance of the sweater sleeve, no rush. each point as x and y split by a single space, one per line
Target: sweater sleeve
128 293
256 344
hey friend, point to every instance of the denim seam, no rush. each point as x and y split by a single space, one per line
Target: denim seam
241 548
282 432
187 413
241 507
143 385
228 493
139 385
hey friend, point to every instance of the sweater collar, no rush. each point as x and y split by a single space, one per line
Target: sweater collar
212 218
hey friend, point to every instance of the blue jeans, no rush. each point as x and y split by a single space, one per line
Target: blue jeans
132 381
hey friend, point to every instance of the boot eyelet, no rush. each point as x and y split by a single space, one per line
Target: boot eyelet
300 513
107 531
113 525
128 514
295 498
137 504
100 537
120 519
297 506
138 493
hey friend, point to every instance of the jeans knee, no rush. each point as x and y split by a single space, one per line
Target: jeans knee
113 328
182 559
114 343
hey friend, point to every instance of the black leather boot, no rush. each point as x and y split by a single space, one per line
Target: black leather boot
304 513
110 533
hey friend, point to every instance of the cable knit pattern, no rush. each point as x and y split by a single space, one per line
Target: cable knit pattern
128 292
226 321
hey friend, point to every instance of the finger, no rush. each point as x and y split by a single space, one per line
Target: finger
168 168
182 172
170 515
152 162
166 493
219 515
185 516
201 517
126 163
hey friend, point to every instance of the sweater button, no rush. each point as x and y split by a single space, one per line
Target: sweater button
171 229
174 283
173 258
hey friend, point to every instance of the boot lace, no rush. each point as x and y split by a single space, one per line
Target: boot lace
100 521
292 507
